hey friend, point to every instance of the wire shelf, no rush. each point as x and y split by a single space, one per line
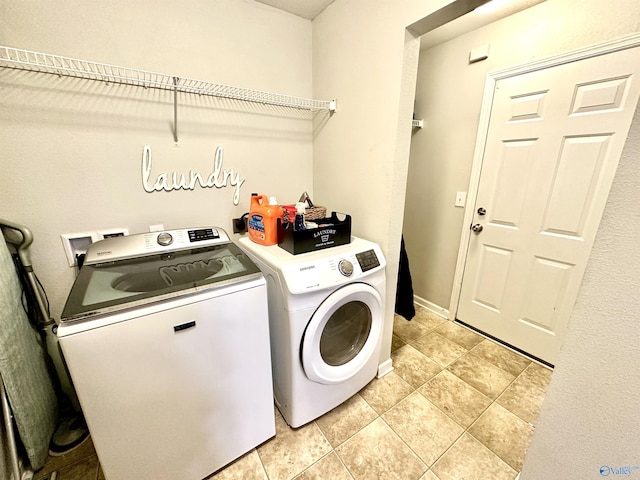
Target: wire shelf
73 67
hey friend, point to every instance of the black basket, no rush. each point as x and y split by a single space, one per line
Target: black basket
331 232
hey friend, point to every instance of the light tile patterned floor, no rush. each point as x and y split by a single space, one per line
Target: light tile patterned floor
455 406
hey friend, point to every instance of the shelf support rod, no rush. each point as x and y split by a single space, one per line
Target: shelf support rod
175 109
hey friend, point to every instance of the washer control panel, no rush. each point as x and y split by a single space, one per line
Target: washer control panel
203 234
130 246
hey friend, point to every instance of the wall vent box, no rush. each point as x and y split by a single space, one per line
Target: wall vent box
76 244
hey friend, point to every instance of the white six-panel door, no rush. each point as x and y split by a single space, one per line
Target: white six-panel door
554 140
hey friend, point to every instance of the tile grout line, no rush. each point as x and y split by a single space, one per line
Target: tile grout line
485 410
332 450
407 445
415 389
264 469
493 401
342 461
465 429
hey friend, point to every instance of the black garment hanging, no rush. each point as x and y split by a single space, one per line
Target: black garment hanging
404 292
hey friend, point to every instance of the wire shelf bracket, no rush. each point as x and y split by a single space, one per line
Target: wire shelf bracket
73 67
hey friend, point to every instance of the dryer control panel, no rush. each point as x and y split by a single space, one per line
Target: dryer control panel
357 261
367 260
331 271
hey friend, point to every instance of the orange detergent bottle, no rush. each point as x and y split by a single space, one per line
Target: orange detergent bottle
263 219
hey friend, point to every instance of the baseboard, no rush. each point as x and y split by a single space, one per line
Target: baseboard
385 367
432 307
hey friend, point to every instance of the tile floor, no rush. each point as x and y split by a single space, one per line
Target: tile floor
456 406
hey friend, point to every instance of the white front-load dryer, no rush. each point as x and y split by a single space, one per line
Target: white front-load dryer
326 315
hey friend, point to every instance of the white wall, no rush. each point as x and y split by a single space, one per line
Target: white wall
72 149
364 57
590 416
448 96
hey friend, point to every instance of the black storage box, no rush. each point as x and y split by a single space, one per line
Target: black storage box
331 232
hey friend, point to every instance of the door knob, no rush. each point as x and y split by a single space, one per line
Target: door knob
477 228
482 211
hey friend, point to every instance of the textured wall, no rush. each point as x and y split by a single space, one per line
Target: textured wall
361 154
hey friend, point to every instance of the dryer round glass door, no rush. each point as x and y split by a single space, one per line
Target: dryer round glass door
343 334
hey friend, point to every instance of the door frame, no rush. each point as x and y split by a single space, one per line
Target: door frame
622 43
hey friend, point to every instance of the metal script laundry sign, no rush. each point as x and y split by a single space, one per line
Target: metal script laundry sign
218 177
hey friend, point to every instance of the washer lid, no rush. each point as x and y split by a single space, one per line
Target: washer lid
110 286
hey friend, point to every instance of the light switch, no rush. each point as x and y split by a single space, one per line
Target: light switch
461 198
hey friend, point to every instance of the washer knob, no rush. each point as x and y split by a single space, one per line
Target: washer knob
345 267
165 239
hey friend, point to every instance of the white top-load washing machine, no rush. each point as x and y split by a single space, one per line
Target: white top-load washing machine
167 341
326 314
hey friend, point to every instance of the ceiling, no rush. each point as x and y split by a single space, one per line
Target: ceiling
309 9
474 20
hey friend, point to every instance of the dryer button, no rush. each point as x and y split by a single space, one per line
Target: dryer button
345 267
165 239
